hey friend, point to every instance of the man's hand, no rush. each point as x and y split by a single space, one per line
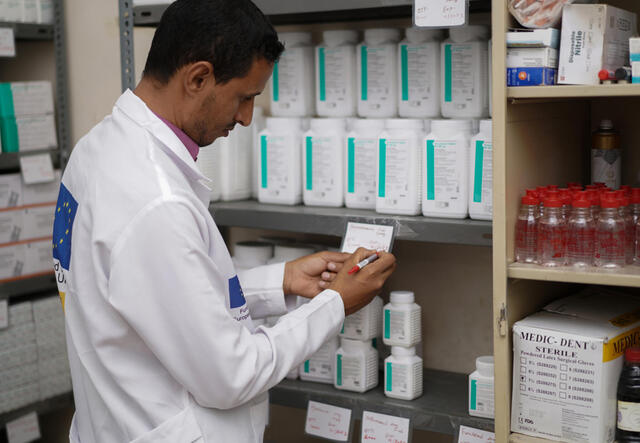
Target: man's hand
308 276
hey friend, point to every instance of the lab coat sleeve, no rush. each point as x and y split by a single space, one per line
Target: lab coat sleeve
164 284
262 287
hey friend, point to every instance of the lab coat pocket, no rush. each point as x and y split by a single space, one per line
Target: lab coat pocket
181 428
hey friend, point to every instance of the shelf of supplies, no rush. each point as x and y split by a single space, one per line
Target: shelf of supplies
10 161
627 276
30 31
521 438
28 285
442 408
573 91
42 407
332 221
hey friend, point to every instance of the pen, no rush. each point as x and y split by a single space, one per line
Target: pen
364 263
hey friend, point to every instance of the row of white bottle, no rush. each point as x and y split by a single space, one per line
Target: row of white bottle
418 77
387 165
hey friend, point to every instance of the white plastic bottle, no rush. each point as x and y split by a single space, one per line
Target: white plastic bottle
465 73
251 254
365 323
336 74
292 79
419 73
235 153
481 173
481 388
356 366
403 374
445 159
398 166
257 125
209 164
361 152
377 73
289 252
402 323
322 162
320 367
279 172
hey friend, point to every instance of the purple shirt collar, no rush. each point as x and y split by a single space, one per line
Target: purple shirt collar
191 146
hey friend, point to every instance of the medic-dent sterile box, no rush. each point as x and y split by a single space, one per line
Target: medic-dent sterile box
566 363
531 76
594 37
532 58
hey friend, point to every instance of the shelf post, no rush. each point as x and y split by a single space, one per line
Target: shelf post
125 8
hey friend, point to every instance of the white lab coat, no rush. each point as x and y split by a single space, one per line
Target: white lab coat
160 339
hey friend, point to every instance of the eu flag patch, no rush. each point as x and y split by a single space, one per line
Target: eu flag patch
236 296
62 225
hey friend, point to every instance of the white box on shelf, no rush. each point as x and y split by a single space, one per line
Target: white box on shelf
37 257
45 12
36 132
533 38
10 190
37 222
18 356
12 261
594 37
634 49
20 313
41 192
47 308
635 72
11 225
30 11
10 10
532 58
19 99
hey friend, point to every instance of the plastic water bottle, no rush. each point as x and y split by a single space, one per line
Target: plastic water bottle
527 229
629 226
582 230
609 250
552 233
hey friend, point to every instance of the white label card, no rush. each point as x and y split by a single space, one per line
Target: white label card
37 169
440 13
24 429
364 235
472 435
7 43
328 421
4 314
384 428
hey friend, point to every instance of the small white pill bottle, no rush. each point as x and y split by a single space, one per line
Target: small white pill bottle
465 73
236 151
402 322
251 254
398 166
209 164
279 171
377 73
403 374
365 323
445 159
320 367
323 162
292 79
360 156
419 73
336 74
288 252
481 388
481 173
356 366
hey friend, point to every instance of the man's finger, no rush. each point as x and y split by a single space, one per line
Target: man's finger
383 263
328 276
335 257
334 267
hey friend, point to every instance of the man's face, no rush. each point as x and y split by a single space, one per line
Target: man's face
222 106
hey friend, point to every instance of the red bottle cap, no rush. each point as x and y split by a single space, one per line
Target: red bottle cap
574 185
623 200
609 200
581 200
591 187
600 184
635 196
529 200
552 187
552 200
626 189
594 196
632 355
603 75
565 196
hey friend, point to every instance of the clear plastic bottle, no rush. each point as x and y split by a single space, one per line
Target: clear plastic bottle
629 227
635 214
336 74
582 230
552 233
527 229
361 153
565 197
609 250
594 198
292 80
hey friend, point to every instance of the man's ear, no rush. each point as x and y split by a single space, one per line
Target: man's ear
197 77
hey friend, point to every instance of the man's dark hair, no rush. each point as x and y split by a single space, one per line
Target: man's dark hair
230 34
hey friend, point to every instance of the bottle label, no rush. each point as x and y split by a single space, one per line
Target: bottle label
395 171
445 172
361 168
321 175
356 326
376 74
463 66
274 158
287 78
606 167
481 397
483 174
333 77
417 76
349 371
629 416
320 363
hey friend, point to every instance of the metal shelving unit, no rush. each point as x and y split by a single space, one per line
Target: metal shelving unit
42 407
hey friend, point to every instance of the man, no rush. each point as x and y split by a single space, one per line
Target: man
160 336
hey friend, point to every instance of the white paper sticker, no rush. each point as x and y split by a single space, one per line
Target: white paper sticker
328 421
7 43
4 314
440 13
364 235
24 429
384 428
471 435
37 169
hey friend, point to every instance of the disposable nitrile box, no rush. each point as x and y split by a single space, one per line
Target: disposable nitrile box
634 49
37 222
531 76
566 364
635 72
41 192
533 38
19 99
10 190
11 225
28 133
594 37
532 58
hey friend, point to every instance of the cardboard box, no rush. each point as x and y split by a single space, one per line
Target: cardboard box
634 49
594 37
37 222
10 190
41 192
531 76
37 257
533 38
19 99
18 356
12 261
566 363
532 58
11 226
28 133
20 313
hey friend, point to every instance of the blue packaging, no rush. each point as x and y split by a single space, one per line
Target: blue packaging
531 76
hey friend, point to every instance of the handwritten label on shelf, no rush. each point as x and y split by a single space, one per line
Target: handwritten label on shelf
4 314
384 428
365 235
328 421
24 429
7 43
472 435
440 13
37 169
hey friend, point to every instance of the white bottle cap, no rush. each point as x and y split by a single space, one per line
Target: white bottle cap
469 33
486 127
451 127
421 35
401 351
328 124
484 365
284 124
607 125
294 38
350 345
404 123
252 251
381 35
402 297
290 252
340 37
368 124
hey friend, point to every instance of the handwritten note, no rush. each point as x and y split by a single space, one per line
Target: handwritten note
37 168
4 314
24 429
364 235
440 13
471 435
384 428
7 43
328 421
